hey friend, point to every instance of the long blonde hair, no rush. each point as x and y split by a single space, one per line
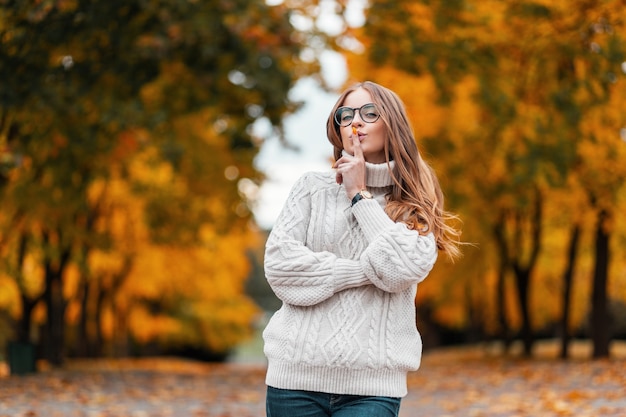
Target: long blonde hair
416 197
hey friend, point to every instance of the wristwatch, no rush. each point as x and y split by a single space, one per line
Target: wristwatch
361 195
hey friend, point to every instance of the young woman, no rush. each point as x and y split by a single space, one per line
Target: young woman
345 257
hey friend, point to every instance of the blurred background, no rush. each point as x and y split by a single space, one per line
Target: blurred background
147 146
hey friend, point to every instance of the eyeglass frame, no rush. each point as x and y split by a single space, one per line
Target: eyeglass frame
354 110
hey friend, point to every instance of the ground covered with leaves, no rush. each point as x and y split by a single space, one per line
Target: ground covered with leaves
453 382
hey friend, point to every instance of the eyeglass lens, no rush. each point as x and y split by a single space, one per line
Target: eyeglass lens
368 112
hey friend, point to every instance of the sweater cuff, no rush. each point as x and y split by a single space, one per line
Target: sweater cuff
372 218
348 274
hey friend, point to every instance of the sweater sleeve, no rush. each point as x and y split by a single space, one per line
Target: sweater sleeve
296 274
396 256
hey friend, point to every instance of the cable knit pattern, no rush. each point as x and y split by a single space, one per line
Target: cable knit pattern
347 277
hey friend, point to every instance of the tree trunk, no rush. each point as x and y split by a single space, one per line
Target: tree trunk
500 237
522 271
55 306
475 329
522 279
97 322
121 340
568 275
600 326
55 309
86 344
23 329
505 332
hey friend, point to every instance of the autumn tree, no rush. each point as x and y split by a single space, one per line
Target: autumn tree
506 98
89 86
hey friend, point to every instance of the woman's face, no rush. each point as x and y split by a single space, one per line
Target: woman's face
372 136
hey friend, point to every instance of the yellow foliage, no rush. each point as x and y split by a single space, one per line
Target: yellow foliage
39 313
464 114
72 312
147 327
226 324
542 64
421 15
147 168
9 296
32 282
71 280
202 288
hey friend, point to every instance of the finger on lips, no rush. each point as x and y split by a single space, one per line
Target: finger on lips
357 152
356 145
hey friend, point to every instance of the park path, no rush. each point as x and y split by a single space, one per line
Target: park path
455 382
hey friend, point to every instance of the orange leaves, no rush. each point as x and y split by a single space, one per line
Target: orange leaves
200 291
127 144
422 16
156 387
148 327
256 29
466 381
147 169
260 36
9 296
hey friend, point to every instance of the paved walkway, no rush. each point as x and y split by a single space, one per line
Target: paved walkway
450 384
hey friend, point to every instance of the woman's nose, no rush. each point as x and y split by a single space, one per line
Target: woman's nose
357 121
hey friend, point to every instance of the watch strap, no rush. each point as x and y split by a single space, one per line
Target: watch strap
360 196
357 197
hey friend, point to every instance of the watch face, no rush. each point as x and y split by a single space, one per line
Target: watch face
366 194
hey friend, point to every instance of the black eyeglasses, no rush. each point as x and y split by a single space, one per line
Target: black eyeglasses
369 114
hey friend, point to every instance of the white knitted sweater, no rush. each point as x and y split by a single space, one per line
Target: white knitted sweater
347 277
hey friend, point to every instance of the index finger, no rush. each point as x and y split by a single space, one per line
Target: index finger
356 144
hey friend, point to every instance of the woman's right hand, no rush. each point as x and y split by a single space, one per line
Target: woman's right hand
351 169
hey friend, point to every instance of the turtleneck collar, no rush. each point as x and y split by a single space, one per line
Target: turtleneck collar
378 175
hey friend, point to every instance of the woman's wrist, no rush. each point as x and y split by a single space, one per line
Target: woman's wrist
353 191
363 194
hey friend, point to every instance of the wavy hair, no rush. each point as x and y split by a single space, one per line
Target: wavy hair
416 198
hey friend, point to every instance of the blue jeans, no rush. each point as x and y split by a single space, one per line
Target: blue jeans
292 403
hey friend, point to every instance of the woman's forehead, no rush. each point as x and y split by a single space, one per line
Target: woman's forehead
357 98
